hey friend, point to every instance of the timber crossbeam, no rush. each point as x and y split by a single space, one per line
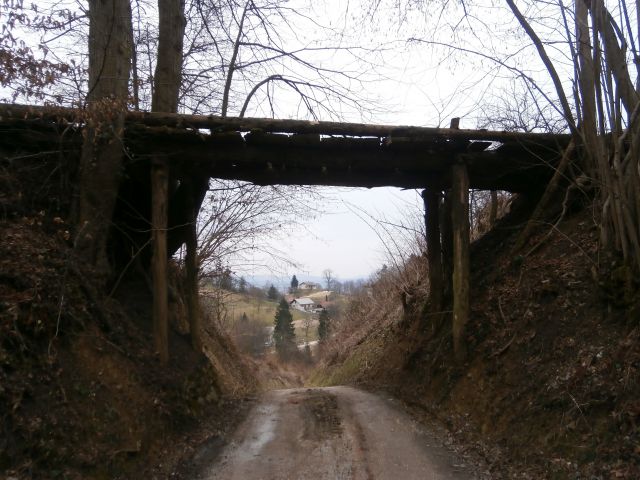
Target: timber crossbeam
226 124
268 151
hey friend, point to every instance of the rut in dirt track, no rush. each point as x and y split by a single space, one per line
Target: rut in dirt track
333 433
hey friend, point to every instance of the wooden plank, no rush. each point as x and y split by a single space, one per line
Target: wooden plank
460 220
159 209
350 143
297 140
290 175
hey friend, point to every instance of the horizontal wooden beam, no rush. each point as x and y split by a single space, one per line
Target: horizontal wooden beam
285 160
307 158
221 124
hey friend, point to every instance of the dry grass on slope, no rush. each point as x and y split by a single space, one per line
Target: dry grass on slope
362 335
81 392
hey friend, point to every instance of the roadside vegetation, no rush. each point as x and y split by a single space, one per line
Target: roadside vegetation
249 316
549 389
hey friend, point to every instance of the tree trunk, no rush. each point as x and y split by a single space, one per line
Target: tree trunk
615 57
546 60
166 93
168 76
587 86
232 63
110 44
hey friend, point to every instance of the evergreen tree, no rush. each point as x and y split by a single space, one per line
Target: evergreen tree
323 325
283 332
294 284
242 285
272 293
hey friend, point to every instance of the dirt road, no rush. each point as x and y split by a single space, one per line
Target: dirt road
332 433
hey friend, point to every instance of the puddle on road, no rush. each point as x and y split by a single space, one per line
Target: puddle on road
265 424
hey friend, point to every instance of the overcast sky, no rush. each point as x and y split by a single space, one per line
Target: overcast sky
407 91
343 239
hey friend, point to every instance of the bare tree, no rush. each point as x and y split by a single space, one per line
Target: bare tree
253 50
604 94
110 48
579 59
35 63
328 277
238 222
519 108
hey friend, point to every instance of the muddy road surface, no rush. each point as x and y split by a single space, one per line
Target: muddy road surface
332 433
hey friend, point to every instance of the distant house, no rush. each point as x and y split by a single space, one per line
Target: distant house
304 304
309 286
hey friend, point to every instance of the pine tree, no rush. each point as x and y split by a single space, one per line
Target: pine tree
272 293
284 333
294 284
323 325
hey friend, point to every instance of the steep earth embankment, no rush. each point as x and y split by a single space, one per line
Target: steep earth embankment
550 388
81 393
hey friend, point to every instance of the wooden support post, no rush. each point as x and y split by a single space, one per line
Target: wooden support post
159 204
460 220
446 232
434 248
193 297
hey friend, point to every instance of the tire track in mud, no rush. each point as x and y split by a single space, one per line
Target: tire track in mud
356 438
335 433
319 411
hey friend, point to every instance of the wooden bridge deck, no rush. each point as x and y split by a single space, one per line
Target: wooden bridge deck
266 151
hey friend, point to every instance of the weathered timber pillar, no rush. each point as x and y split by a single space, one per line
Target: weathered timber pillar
159 204
460 221
446 232
193 302
434 248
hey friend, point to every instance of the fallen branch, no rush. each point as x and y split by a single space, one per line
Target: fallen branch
505 348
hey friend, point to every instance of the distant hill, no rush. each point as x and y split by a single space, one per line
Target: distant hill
281 282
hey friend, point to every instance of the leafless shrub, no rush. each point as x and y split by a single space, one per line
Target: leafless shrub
485 209
251 336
